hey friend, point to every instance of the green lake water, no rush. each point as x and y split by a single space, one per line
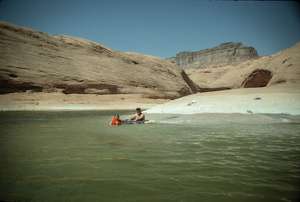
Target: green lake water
76 156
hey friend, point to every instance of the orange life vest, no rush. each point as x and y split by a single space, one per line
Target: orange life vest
115 121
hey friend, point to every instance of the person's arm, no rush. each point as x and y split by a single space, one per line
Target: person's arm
133 117
140 118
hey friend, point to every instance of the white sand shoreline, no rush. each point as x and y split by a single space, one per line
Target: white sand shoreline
269 100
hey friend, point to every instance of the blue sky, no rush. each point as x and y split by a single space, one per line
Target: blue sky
162 27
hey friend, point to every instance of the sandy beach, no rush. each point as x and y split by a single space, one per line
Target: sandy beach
281 99
59 101
276 99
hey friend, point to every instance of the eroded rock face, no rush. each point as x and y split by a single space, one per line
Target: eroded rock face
282 68
36 61
258 78
224 54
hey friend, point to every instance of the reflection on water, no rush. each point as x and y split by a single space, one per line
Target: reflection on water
76 156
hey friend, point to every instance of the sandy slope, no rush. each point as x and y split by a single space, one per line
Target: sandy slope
37 61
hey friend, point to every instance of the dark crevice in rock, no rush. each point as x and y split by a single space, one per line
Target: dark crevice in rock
130 61
11 86
83 88
258 78
203 90
194 87
12 75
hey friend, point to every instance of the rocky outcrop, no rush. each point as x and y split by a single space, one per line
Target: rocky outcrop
35 61
224 54
282 68
258 78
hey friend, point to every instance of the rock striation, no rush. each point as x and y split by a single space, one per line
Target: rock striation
224 54
37 62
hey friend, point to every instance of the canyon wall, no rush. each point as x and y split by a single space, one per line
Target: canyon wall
38 62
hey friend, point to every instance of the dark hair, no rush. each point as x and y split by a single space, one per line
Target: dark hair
138 109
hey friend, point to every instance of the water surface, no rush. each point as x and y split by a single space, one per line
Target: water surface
76 156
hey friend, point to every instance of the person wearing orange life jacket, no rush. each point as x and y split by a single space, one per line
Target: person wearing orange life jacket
115 121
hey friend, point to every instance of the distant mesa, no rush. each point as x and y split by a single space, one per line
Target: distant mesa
224 54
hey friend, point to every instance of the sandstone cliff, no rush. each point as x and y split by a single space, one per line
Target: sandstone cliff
224 54
278 69
35 61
